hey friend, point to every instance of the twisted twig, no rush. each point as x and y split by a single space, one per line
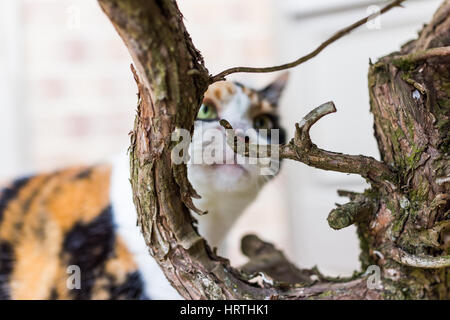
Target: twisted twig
426 262
302 149
336 36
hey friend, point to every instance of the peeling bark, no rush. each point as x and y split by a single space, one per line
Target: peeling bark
398 222
410 100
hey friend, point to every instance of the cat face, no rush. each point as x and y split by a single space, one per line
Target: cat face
213 165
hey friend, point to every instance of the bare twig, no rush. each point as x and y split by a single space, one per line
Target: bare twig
351 212
442 180
302 149
426 262
349 194
302 138
336 36
246 149
408 61
425 54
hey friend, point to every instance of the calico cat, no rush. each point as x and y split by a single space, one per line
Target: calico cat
72 234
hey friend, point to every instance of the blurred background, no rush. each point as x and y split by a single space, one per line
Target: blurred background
67 96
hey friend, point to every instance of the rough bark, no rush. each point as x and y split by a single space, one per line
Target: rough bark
410 101
402 220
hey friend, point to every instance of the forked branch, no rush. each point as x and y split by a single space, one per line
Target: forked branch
302 149
312 54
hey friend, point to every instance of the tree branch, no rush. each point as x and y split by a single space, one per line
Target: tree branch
336 36
352 212
265 258
418 56
426 262
302 149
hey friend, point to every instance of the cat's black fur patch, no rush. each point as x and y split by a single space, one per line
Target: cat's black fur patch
281 132
6 267
274 118
9 193
54 294
131 288
83 174
89 246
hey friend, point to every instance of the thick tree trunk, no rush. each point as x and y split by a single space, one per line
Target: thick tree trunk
410 101
402 220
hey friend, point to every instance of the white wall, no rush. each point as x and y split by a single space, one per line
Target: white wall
11 92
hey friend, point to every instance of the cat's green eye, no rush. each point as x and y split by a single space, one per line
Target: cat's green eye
262 122
207 112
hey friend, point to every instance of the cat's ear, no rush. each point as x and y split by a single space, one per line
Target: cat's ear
272 92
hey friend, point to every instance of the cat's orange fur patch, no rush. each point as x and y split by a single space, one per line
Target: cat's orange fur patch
53 208
81 199
220 93
14 212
